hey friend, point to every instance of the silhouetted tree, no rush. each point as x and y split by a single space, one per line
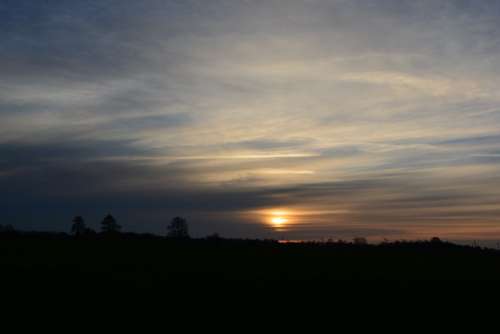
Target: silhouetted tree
436 240
6 228
109 225
360 241
178 229
214 236
78 228
89 231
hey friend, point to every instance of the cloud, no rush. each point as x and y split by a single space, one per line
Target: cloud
387 112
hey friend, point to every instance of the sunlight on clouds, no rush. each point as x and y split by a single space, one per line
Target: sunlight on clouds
285 172
345 113
432 86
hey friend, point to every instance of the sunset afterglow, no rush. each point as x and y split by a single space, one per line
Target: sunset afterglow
321 118
279 218
279 221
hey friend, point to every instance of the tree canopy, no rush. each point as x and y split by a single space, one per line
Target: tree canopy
178 228
109 225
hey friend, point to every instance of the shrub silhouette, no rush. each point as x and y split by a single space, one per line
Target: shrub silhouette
178 229
360 241
436 240
6 228
214 236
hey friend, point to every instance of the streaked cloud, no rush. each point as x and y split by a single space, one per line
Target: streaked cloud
380 117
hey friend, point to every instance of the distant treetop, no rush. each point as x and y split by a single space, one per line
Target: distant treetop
6 228
178 229
78 227
360 241
436 240
109 225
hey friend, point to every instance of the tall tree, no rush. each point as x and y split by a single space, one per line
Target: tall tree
78 228
178 229
109 225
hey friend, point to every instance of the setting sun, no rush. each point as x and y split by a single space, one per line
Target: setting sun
278 218
279 221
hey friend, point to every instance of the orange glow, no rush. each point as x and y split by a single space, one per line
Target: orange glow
278 218
279 221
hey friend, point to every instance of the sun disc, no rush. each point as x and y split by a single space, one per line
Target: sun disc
279 220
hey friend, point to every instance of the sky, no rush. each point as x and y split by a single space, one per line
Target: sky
288 119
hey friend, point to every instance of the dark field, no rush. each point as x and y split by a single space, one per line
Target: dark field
42 261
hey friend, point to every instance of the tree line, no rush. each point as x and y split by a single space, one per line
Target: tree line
177 228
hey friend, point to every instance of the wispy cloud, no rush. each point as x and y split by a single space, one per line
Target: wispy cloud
386 113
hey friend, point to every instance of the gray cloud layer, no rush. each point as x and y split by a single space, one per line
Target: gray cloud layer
375 118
